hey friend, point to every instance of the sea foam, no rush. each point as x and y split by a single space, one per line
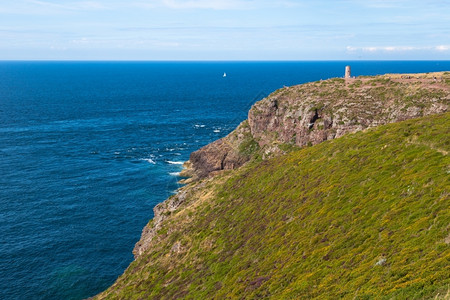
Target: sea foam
175 162
149 160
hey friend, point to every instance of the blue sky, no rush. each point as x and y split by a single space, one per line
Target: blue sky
224 29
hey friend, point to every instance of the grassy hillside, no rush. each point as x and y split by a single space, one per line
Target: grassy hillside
360 217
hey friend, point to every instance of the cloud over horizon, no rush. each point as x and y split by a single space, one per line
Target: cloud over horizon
398 48
218 29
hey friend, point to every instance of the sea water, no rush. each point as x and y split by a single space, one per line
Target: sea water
87 149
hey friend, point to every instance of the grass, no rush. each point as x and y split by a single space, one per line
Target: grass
365 216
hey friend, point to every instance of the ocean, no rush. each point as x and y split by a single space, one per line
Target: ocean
87 149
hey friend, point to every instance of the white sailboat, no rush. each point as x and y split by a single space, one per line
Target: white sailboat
224 74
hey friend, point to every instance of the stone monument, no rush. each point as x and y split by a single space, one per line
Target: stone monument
347 72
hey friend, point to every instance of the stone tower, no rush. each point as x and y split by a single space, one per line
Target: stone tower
347 72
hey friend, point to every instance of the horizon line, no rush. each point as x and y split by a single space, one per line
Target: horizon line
217 60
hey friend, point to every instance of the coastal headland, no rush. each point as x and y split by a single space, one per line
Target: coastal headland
330 189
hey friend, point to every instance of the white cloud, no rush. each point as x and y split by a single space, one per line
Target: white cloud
370 49
38 7
203 4
395 4
396 48
50 7
400 48
75 5
443 48
194 4
80 41
220 4
383 3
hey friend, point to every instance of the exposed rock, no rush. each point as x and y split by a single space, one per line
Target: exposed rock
162 211
381 262
177 248
311 113
224 154
447 239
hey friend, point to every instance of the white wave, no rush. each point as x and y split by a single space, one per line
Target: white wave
149 160
174 174
199 125
216 130
175 162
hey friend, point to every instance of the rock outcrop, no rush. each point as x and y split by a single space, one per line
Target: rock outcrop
226 153
311 113
161 212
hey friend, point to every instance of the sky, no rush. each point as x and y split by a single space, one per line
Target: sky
225 30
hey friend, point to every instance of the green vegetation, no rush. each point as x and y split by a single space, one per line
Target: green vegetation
365 216
356 84
288 147
380 80
248 146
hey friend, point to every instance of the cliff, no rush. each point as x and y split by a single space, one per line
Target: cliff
365 215
311 113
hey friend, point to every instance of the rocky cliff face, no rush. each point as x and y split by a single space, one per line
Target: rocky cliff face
227 153
305 115
161 212
151 234
311 113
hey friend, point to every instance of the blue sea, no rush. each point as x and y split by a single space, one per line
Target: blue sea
87 149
